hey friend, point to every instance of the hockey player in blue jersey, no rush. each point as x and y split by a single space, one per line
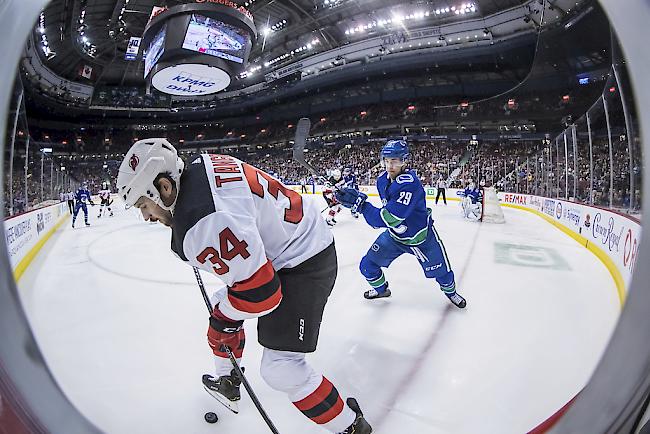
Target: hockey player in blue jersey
350 181
409 226
472 202
82 197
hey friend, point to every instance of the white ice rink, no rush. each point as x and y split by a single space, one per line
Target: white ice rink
122 326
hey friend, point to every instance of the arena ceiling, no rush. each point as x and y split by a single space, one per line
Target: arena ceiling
96 32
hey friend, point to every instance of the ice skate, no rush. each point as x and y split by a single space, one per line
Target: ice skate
224 389
373 293
360 425
457 299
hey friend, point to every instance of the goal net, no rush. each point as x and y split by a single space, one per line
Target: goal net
492 212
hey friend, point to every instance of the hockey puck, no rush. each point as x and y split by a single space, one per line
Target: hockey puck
211 417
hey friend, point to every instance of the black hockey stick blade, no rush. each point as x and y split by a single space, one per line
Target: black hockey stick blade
302 131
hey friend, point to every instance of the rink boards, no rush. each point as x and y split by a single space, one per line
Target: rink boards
612 237
26 233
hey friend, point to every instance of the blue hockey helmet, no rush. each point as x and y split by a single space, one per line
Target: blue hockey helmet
395 149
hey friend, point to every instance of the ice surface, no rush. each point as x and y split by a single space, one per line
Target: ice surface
122 325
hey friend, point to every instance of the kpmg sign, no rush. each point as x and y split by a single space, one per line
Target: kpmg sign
190 80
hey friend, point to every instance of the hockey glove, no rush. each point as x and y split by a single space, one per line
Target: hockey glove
351 198
224 332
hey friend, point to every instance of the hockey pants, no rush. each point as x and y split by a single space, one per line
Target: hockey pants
82 206
431 255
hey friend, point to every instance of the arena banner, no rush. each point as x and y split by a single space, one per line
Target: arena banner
611 236
26 233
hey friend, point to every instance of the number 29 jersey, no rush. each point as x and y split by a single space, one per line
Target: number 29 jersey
239 223
404 209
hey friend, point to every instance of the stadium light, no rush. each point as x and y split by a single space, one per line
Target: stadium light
44 44
399 19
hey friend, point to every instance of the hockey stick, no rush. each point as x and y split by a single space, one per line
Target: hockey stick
299 142
233 360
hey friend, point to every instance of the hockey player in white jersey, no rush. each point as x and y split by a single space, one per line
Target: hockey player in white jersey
106 202
333 182
271 249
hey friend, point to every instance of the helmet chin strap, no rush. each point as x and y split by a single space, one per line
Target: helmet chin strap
169 208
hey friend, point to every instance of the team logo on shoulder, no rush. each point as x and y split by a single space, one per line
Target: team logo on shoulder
134 161
403 178
375 247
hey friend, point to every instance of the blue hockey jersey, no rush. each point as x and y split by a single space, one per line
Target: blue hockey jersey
350 181
404 210
82 195
473 193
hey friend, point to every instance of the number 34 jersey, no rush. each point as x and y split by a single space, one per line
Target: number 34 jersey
239 223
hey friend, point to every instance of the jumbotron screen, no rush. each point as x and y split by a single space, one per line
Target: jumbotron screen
216 38
155 50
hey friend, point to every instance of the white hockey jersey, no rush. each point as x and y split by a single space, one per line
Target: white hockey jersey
238 222
104 194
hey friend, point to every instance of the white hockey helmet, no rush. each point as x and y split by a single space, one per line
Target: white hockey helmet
336 174
142 164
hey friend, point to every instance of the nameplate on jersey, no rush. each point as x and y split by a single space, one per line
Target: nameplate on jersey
225 170
404 178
